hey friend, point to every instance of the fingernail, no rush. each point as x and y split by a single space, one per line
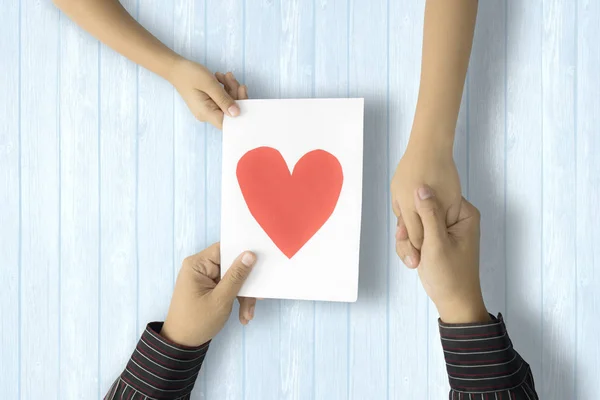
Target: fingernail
234 110
250 313
424 193
248 259
408 261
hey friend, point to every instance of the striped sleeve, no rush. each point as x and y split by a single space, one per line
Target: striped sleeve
482 363
158 369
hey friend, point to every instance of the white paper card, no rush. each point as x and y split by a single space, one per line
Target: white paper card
292 193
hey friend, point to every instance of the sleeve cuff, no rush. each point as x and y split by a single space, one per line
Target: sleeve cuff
480 357
161 369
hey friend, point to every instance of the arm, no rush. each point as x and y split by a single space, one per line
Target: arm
109 22
447 40
480 359
169 356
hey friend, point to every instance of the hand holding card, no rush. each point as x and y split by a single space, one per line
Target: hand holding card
292 191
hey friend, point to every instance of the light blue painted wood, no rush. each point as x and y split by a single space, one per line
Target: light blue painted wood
79 212
523 205
407 302
263 378
189 150
118 190
559 216
368 68
486 123
224 52
40 345
10 220
107 182
155 174
331 326
588 197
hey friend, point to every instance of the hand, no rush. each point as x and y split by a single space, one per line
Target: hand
202 302
204 95
449 267
429 161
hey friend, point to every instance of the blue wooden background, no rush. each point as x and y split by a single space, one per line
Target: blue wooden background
107 183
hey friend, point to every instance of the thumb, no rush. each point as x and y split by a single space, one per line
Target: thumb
229 287
220 96
432 216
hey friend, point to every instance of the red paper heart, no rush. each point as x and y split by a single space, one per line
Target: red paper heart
290 208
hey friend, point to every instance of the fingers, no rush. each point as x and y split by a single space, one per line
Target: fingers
212 253
431 214
467 210
219 94
242 93
414 226
214 116
247 306
228 288
206 262
230 83
405 250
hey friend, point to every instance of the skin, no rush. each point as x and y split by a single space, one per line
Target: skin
449 267
109 22
201 296
449 272
209 97
447 40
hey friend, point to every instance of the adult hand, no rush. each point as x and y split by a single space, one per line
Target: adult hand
201 302
425 161
449 267
207 97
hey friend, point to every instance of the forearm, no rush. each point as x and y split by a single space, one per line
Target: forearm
447 40
158 368
482 363
109 22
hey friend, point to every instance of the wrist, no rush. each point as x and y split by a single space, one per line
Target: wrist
463 311
172 66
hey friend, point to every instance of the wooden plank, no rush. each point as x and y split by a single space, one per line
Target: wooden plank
296 77
263 378
485 183
368 65
524 180
224 52
408 303
155 175
79 212
559 200
189 137
331 319
118 246
587 357
10 207
40 201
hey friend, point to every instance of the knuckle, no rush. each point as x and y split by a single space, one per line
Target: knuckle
188 262
200 116
431 212
221 304
237 276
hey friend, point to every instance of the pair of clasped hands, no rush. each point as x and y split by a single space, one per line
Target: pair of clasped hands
437 232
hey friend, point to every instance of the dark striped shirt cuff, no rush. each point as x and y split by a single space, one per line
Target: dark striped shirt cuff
161 369
480 357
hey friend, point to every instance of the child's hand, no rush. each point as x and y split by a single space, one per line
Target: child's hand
205 96
424 162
